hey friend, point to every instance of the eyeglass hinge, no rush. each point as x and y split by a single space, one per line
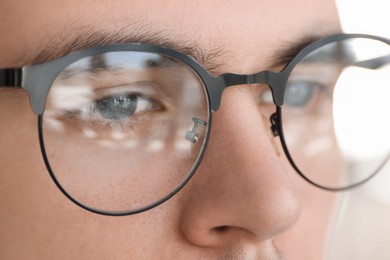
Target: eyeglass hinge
11 77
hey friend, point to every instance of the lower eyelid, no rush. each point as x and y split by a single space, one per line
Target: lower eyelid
146 88
145 106
80 121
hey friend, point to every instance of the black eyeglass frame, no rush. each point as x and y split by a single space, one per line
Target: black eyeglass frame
37 81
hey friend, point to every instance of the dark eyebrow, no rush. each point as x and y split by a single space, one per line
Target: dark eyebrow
59 47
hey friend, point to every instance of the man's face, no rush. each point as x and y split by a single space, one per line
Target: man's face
244 202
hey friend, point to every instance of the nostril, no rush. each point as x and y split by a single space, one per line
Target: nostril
221 229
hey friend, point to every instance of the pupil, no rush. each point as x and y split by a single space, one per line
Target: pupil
117 107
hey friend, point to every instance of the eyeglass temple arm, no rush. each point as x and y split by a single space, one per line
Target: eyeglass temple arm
374 63
11 77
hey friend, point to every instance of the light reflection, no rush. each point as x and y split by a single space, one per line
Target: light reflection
89 133
318 146
117 135
361 105
106 143
156 145
131 143
182 145
53 123
363 49
70 97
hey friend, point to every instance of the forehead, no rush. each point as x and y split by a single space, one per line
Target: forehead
243 30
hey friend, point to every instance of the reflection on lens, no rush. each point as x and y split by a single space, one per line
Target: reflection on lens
114 131
336 129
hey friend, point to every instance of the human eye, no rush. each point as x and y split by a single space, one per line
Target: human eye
119 110
302 93
125 108
298 93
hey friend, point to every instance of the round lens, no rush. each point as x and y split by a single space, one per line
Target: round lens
124 130
335 114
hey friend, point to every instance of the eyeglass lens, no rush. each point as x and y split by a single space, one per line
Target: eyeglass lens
130 125
336 112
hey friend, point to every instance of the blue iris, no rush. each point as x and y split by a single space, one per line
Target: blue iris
299 93
117 107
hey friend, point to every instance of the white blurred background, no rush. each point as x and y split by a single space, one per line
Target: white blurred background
363 231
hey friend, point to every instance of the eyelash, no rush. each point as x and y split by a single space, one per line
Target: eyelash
91 117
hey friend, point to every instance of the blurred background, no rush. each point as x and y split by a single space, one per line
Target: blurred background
363 230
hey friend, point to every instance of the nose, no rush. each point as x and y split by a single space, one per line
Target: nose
241 190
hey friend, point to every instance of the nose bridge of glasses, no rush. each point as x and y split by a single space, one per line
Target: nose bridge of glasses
231 79
276 82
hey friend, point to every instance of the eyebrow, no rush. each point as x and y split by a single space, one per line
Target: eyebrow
54 49
208 58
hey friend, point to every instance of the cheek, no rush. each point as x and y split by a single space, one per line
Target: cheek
24 183
38 222
312 230
22 166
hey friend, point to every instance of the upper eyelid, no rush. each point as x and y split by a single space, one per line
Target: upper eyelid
95 71
152 99
149 94
142 87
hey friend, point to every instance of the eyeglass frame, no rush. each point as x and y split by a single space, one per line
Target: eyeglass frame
37 81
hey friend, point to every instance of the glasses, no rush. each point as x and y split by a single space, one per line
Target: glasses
123 128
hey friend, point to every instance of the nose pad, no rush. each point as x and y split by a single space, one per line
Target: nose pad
192 134
274 124
272 131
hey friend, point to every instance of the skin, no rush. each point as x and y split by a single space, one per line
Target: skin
244 202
